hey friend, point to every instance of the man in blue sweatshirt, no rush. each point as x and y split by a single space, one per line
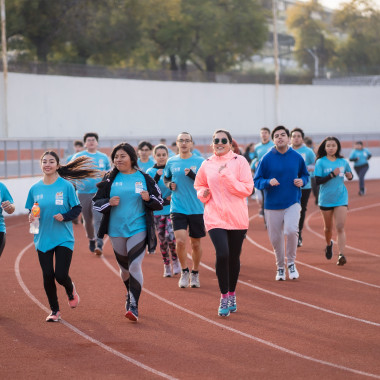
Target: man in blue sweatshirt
281 173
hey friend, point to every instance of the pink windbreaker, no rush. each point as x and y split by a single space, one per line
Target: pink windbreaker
225 206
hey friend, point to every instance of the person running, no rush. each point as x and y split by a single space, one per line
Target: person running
186 210
259 151
297 143
144 151
162 219
223 182
330 170
8 206
127 198
87 189
314 187
281 174
59 205
360 156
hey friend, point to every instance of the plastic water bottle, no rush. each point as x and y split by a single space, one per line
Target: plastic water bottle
35 225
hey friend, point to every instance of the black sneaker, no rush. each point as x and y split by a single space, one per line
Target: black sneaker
99 248
132 314
341 260
299 244
329 251
92 246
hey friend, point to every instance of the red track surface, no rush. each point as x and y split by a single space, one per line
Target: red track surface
324 325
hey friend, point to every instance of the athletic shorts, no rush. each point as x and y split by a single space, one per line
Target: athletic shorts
194 222
323 208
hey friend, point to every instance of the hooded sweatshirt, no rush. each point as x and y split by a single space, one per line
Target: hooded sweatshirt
225 206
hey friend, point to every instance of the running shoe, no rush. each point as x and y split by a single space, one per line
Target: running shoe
223 310
261 213
280 274
92 246
99 249
329 251
54 316
299 243
232 304
176 267
74 298
293 272
194 280
167 270
341 260
132 314
184 279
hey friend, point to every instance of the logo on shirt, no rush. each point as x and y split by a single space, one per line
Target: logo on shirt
139 187
101 164
59 198
38 197
117 184
193 168
175 170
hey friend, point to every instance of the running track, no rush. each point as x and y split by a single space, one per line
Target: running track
324 325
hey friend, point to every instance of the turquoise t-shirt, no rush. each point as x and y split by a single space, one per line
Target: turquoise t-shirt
4 196
101 162
144 166
333 193
260 150
57 198
164 191
128 217
184 198
362 155
309 157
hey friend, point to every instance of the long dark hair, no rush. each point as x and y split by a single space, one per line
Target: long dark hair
322 148
129 149
80 168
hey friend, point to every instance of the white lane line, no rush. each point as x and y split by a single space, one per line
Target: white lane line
347 246
249 336
76 330
316 268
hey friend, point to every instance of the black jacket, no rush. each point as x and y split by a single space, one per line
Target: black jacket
101 203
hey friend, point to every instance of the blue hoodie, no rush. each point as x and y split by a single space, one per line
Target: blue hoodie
285 168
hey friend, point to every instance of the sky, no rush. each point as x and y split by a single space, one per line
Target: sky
336 3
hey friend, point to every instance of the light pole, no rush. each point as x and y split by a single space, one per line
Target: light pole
316 62
276 65
5 68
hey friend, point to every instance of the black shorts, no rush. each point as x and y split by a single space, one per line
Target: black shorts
194 222
323 208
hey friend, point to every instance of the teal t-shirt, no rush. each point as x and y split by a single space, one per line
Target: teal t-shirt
258 153
184 198
101 162
144 166
309 157
164 191
333 193
57 198
362 155
4 196
128 217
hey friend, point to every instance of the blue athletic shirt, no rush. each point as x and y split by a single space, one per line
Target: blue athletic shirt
101 162
309 157
184 198
144 166
333 193
4 196
128 217
164 191
57 198
362 154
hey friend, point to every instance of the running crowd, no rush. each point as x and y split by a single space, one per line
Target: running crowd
139 195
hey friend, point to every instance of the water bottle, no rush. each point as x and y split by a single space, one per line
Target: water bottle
35 225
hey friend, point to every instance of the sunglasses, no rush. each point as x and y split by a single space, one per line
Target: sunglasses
220 141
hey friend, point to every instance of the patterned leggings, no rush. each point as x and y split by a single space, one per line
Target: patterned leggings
166 237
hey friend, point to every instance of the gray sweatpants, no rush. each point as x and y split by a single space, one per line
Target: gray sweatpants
91 217
283 224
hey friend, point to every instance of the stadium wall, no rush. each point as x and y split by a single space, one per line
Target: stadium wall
57 106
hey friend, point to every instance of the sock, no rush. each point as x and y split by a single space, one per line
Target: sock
185 270
194 271
231 293
224 295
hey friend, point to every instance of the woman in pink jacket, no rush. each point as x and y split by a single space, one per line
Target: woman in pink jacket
222 183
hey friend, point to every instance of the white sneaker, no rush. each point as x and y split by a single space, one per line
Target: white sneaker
194 280
293 272
184 280
176 267
280 274
167 270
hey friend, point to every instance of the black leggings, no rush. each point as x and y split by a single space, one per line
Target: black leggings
2 242
304 199
63 257
228 244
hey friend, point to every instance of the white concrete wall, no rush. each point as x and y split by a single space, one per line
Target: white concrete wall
19 187
57 106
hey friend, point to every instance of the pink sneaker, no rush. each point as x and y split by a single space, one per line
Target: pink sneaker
74 299
54 316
